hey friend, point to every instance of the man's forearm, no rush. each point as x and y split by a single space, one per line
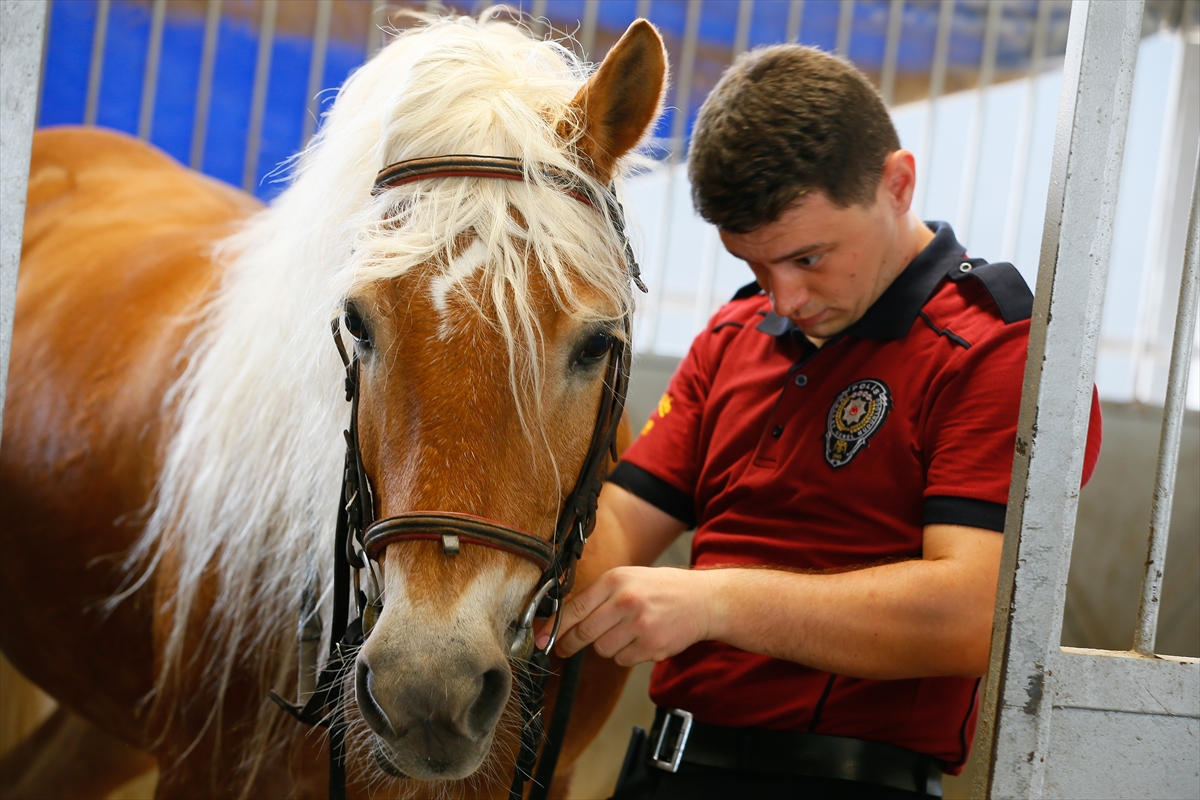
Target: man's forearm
931 616
886 622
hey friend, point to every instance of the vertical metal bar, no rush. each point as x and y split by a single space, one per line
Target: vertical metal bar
674 156
891 51
845 27
1172 432
150 78
96 72
539 26
987 70
22 33
1020 167
794 20
37 113
208 61
706 280
741 37
1144 350
587 35
687 66
374 32
1102 50
937 82
316 68
258 101
643 8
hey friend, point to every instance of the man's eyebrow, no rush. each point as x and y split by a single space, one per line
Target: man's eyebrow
801 252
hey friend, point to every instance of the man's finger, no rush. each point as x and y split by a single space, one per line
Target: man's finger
596 624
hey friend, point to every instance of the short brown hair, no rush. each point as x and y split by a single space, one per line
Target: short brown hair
782 122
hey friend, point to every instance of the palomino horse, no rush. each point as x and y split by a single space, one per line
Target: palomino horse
173 434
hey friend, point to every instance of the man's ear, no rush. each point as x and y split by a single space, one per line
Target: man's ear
620 102
899 179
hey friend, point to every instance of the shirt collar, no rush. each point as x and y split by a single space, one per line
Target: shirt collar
891 316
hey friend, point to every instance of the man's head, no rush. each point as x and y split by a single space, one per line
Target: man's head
795 159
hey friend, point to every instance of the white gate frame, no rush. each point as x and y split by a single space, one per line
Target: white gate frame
22 39
1057 721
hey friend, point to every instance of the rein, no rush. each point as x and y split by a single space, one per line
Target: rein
360 538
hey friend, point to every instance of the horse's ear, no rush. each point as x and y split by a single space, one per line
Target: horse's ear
620 102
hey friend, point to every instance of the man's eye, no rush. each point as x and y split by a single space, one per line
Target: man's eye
809 261
356 327
594 348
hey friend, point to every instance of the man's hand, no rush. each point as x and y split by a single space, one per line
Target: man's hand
636 614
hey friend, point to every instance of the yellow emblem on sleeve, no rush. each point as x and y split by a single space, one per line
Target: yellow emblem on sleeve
664 408
664 405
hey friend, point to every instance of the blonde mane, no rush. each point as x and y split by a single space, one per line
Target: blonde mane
252 472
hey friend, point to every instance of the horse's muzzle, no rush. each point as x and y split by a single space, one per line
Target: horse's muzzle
433 726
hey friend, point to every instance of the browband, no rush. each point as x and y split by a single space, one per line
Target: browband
461 166
512 169
452 529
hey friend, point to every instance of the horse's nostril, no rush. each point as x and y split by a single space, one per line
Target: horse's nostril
370 710
493 695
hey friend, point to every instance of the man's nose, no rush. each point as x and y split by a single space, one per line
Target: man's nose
788 296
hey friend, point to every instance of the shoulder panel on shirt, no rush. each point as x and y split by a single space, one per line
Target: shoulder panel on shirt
1004 283
749 290
655 491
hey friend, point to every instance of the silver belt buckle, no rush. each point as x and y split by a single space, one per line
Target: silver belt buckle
669 759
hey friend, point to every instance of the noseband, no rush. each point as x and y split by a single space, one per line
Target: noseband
361 539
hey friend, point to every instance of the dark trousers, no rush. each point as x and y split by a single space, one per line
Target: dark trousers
696 782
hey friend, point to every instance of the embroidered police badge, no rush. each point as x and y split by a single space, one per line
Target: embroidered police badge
856 414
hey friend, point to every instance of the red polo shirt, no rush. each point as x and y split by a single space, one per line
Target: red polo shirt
781 453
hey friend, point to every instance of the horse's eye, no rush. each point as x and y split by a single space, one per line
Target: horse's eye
595 348
356 326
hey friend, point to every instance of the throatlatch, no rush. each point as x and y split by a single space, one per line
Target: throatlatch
360 539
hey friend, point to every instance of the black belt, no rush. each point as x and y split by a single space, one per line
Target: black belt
676 738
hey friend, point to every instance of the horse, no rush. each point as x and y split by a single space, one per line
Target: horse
173 434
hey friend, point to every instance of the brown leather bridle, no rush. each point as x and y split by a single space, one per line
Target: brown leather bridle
361 539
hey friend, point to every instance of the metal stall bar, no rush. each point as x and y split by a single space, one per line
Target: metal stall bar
258 101
795 17
96 71
538 26
1173 157
150 79
891 51
208 60
1020 166
643 9
37 113
1056 399
674 156
22 33
711 248
1172 432
937 82
987 71
741 37
316 69
374 33
587 35
845 27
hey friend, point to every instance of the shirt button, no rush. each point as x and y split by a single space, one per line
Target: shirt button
801 380
777 431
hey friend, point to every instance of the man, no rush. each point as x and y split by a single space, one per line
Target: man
841 436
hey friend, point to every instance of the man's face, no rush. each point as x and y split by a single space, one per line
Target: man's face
821 265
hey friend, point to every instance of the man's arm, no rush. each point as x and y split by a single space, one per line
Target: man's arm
931 616
629 531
